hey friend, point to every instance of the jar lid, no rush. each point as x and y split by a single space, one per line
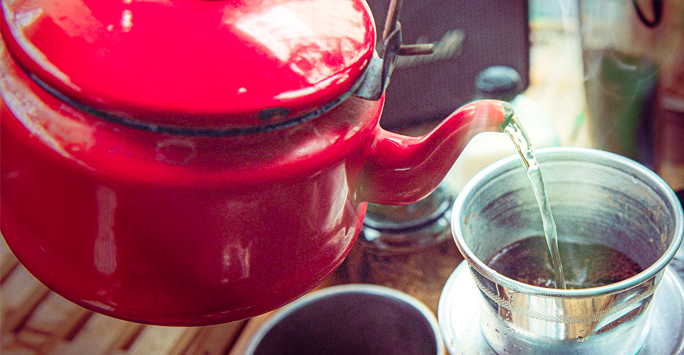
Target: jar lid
395 230
498 82
194 63
407 217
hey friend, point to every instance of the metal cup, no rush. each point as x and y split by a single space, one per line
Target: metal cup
350 319
596 195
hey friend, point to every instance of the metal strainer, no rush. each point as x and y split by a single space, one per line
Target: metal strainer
596 196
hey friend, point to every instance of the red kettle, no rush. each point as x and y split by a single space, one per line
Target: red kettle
187 162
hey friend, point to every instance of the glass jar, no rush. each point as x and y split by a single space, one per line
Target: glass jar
407 248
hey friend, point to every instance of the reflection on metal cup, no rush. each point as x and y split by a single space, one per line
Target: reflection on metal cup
350 319
597 196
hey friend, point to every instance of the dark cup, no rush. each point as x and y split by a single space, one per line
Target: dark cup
350 319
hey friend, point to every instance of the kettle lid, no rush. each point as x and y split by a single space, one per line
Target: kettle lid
223 64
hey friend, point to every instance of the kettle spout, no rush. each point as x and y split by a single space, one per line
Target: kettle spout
402 169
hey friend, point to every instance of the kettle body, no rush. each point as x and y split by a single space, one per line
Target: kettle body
139 204
177 230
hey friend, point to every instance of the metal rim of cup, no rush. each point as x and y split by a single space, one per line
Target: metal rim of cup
273 320
568 153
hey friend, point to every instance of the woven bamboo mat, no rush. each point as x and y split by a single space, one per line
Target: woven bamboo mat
34 320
